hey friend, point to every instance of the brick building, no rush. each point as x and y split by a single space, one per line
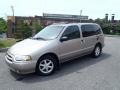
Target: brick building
47 19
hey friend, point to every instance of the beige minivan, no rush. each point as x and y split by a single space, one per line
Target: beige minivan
53 45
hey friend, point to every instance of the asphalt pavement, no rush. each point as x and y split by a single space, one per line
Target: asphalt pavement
84 73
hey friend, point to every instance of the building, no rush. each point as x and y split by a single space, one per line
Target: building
47 19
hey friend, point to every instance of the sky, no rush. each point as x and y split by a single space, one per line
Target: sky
92 8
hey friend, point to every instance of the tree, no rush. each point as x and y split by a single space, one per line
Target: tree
106 28
117 28
23 30
26 31
3 25
36 26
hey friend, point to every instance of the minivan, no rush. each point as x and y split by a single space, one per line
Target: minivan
53 45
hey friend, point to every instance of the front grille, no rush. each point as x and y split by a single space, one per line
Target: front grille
9 57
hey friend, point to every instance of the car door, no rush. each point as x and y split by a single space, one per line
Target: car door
71 47
89 37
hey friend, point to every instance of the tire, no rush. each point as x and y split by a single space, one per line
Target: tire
46 65
97 51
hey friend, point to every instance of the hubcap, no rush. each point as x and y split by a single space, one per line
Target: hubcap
46 66
97 51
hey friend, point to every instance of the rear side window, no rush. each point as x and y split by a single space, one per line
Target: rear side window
72 32
89 30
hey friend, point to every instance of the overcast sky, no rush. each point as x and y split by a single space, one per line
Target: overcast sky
92 8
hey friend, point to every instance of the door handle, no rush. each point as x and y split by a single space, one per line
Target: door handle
97 37
82 41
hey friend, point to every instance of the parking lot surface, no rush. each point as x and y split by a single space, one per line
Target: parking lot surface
84 73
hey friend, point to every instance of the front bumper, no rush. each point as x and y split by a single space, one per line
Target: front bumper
21 67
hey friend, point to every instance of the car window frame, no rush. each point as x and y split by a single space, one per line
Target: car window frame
93 30
74 38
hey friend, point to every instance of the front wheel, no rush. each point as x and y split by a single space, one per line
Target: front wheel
97 51
46 65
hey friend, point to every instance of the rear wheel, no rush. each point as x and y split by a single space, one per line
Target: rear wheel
97 51
46 65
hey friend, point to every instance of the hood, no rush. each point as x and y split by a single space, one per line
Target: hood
28 46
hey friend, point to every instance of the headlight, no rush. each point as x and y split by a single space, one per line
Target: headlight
23 58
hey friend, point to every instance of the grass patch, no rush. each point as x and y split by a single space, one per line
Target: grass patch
7 42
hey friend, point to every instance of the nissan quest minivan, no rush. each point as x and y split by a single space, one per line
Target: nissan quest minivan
54 45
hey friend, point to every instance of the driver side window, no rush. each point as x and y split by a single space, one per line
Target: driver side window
72 32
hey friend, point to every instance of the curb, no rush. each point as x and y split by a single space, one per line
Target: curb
112 35
4 49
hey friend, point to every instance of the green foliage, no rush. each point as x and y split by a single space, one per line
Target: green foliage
18 35
38 28
26 31
118 28
3 25
111 28
7 42
108 27
23 31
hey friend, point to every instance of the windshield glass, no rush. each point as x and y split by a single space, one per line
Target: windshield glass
49 32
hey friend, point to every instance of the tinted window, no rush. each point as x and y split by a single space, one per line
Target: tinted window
97 29
72 32
89 30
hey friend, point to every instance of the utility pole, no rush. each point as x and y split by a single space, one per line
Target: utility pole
80 15
12 8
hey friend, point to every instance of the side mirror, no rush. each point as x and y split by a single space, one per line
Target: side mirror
64 38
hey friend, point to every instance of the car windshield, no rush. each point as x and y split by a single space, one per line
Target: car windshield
49 32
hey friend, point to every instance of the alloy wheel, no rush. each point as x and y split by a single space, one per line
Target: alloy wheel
46 66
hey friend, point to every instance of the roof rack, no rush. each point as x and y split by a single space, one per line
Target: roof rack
60 23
